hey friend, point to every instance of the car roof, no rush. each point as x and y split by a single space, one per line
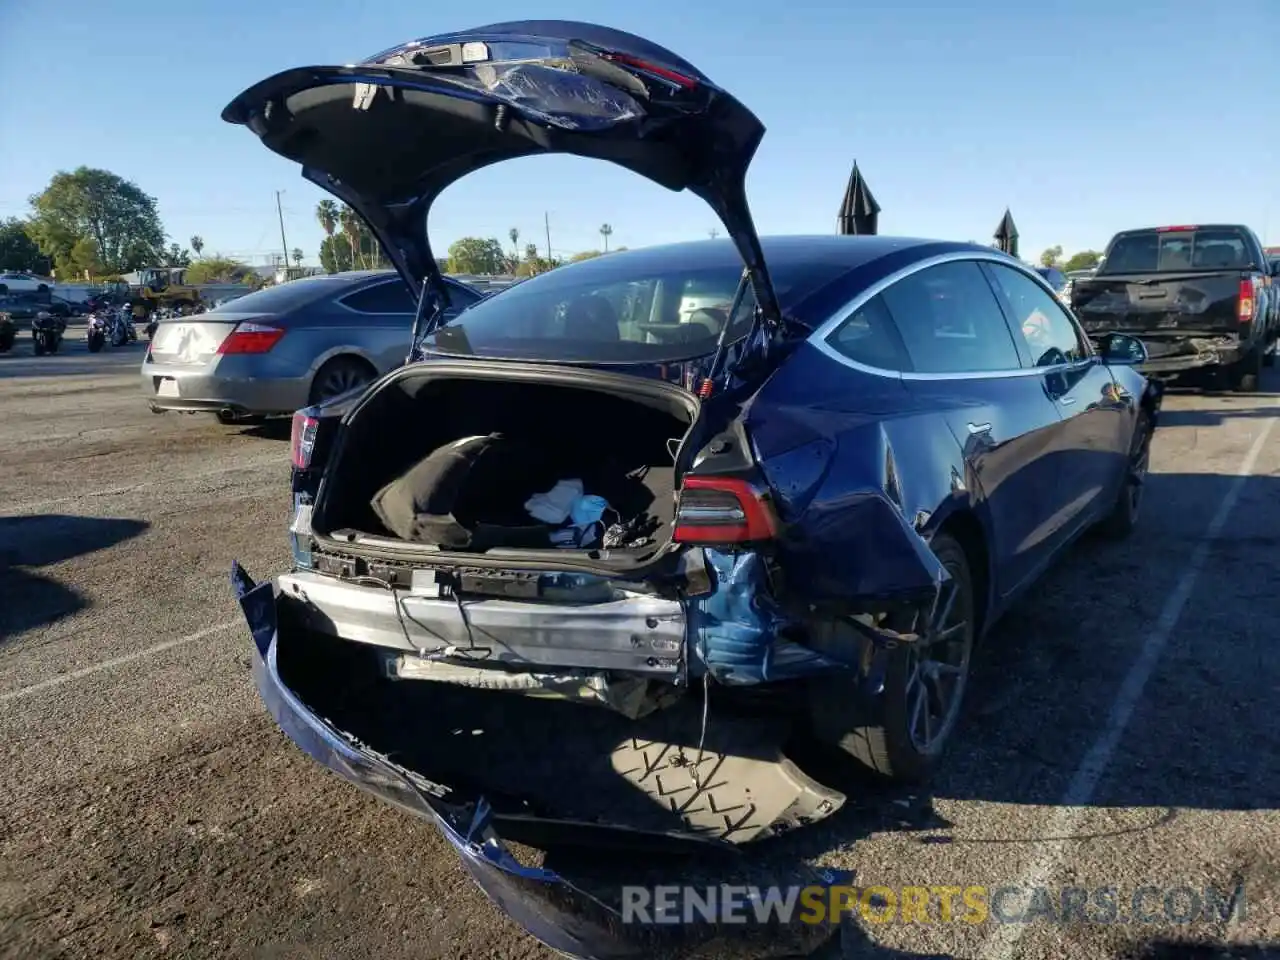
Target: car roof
779 251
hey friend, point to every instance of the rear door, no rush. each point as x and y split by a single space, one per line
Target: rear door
966 366
1093 440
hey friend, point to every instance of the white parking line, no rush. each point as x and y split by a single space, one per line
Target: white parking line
1065 820
62 678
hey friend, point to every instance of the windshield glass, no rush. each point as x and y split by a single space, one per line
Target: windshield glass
639 307
1162 251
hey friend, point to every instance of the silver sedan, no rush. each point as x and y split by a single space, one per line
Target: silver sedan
275 351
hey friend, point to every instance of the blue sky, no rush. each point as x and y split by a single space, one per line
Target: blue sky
1084 117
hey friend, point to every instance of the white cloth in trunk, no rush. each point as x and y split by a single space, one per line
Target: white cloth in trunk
554 505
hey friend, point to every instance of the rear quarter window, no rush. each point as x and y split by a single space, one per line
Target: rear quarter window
389 296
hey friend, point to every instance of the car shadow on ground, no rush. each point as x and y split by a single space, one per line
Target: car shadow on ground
1212 418
73 359
275 428
1163 949
28 599
1043 688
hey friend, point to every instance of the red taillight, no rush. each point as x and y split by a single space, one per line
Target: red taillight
679 79
1182 229
302 442
723 510
1245 309
249 337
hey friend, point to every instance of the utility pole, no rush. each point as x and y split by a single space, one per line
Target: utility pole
284 244
546 222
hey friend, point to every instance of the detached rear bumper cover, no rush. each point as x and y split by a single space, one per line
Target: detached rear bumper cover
551 908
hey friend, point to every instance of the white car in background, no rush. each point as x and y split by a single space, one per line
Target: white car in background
24 283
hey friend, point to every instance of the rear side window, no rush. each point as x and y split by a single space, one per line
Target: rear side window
1050 335
1161 251
460 297
951 322
391 296
869 337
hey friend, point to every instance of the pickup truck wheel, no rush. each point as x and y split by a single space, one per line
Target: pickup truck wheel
1122 519
1243 376
903 732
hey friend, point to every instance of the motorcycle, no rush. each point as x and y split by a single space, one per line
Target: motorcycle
8 332
96 335
125 331
46 332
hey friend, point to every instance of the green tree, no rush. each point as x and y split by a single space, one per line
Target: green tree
327 216
81 261
533 264
175 256
585 255
115 213
1083 260
197 244
1051 257
297 256
335 254
351 225
476 256
216 269
17 250
514 234
606 231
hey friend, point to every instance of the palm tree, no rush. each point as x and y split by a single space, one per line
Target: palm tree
197 244
514 234
327 216
606 231
297 257
350 224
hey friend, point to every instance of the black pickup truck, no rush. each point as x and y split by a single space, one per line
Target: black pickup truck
1200 298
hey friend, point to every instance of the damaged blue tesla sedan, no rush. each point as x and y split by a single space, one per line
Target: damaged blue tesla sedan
613 538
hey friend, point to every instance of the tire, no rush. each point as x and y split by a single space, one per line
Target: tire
878 731
95 343
338 376
1243 376
37 347
1123 518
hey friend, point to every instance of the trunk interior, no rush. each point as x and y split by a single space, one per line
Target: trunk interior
621 448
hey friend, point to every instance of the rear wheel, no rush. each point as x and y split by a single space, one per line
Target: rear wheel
338 376
1243 376
903 732
1122 519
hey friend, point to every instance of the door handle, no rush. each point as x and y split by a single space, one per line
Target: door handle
1066 401
977 428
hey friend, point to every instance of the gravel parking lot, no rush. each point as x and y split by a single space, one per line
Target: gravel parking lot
1121 732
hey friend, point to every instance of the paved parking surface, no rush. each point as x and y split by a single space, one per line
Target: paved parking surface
1122 726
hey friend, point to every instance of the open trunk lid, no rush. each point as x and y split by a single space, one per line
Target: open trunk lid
388 135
